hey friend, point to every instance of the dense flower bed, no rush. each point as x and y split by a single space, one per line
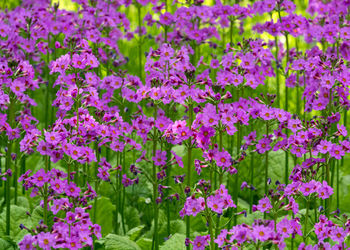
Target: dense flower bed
157 124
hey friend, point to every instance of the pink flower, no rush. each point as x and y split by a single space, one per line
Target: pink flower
40 178
46 240
200 242
324 191
72 190
337 151
264 205
223 159
342 130
160 158
193 206
261 233
263 145
324 147
27 242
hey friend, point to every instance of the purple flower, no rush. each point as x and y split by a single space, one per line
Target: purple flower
27 242
342 130
160 158
216 204
337 152
284 228
78 61
178 159
58 185
72 190
264 205
261 233
248 61
223 159
193 206
46 240
70 217
324 191
103 174
166 18
263 145
200 242
40 178
324 147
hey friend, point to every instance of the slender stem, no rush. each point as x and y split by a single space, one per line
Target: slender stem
266 160
155 185
251 183
15 173
231 31
8 188
277 74
286 109
236 188
48 87
11 116
139 41
306 221
210 225
327 180
217 229
46 191
338 200
96 180
266 164
168 170
23 170
189 167
117 202
123 200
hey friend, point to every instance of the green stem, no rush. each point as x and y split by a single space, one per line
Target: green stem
46 191
8 188
155 185
96 180
189 167
236 175
15 173
277 74
231 31
338 200
217 229
306 221
123 200
210 225
266 164
48 87
327 205
251 183
11 117
23 170
139 41
168 170
266 160
117 200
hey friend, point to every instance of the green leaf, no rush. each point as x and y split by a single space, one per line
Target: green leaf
104 215
114 241
177 241
250 218
38 214
132 217
144 243
23 201
7 244
135 232
18 216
